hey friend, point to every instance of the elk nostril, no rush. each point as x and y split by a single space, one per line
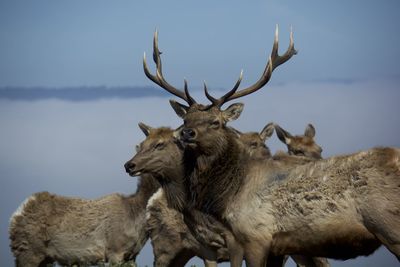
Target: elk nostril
192 133
188 133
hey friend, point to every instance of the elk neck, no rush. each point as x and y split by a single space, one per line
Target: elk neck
214 178
147 186
173 182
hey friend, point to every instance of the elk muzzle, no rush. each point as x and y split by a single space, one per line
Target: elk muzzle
130 168
188 135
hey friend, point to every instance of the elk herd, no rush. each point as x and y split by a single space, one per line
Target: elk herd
206 189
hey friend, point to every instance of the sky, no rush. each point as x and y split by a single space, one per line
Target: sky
98 42
344 80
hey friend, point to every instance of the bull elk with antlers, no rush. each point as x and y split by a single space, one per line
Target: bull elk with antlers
339 207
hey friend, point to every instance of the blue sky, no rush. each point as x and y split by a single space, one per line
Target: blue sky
72 43
345 80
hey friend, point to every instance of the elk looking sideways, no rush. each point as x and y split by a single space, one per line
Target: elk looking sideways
328 208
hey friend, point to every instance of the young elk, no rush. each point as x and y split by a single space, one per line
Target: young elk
254 143
49 228
339 207
160 155
300 144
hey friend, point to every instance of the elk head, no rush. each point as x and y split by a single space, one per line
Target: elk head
205 125
157 154
254 143
301 145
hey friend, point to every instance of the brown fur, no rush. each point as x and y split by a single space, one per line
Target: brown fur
328 194
79 231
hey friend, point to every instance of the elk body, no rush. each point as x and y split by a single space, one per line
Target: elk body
339 207
50 228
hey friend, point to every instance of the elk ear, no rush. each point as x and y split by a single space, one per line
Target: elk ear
283 135
233 112
145 128
309 131
179 108
267 131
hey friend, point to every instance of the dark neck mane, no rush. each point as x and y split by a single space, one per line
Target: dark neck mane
214 179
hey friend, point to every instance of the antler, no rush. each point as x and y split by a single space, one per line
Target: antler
220 101
159 78
273 62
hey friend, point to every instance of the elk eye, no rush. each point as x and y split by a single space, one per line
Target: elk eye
253 144
159 145
298 152
215 123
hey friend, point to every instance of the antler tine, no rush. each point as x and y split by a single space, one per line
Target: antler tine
190 99
147 71
278 60
156 52
156 59
220 101
225 97
275 47
159 78
213 100
273 62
